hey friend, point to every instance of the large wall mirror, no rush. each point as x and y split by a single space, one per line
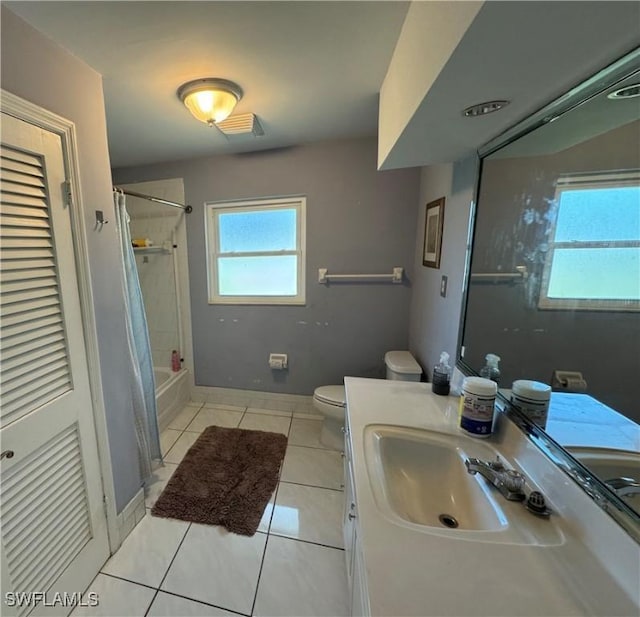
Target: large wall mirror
554 279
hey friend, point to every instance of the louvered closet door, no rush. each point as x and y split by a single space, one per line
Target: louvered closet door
53 523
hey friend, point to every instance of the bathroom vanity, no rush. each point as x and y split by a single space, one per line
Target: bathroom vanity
425 537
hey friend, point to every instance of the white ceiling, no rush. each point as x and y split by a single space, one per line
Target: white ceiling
312 70
528 52
309 70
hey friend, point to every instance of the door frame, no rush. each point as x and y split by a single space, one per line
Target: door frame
33 114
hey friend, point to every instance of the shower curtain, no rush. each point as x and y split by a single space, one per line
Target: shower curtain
142 380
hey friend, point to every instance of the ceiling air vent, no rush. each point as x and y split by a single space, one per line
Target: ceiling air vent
241 125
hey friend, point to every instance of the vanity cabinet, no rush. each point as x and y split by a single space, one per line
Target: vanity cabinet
359 601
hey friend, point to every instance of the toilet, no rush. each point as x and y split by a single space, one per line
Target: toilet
330 401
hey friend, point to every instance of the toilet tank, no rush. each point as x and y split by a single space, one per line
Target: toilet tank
402 366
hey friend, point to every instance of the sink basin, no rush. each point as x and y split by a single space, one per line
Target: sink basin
608 463
423 477
419 479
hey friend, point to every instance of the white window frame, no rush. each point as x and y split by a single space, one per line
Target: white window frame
214 209
580 182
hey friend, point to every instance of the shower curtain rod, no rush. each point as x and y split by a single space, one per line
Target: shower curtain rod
173 204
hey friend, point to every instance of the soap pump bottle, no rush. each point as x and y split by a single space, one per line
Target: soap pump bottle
490 370
441 375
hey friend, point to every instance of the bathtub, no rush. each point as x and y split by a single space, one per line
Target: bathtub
172 394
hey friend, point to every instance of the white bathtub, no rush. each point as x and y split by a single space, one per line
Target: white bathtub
172 394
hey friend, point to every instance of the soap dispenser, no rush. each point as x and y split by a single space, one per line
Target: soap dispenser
442 376
490 370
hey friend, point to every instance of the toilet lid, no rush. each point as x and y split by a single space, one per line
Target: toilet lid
334 395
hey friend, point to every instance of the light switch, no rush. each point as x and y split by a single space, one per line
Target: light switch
443 286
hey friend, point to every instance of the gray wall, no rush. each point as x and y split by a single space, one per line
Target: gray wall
434 322
358 220
36 69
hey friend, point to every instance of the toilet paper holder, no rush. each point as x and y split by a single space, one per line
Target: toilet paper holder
278 361
568 381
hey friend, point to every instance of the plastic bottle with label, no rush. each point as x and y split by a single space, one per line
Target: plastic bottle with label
477 406
441 376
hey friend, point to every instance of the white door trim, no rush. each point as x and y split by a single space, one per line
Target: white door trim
33 114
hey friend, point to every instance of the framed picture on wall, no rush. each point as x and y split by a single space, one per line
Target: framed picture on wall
433 225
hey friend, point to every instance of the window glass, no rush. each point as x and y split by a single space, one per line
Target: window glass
269 230
256 251
595 273
257 276
599 214
593 257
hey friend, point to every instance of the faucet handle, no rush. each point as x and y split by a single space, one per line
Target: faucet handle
497 465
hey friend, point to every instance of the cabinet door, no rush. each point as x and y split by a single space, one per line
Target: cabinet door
359 595
349 518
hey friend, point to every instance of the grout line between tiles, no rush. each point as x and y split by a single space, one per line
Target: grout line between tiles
173 444
264 552
328 488
324 449
178 595
279 535
128 580
155 595
314 448
266 544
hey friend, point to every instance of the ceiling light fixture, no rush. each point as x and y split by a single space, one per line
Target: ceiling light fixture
484 108
628 92
210 100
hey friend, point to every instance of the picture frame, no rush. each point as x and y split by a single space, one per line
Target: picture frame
433 227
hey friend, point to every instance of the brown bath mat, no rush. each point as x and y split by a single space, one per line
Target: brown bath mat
226 478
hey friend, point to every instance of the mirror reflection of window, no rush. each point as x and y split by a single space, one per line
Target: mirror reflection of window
593 261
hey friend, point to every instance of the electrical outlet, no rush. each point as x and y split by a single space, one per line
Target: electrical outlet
443 286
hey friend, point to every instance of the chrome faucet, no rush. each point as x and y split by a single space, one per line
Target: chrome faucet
624 486
508 481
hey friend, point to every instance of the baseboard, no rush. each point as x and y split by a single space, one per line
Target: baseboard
130 516
297 403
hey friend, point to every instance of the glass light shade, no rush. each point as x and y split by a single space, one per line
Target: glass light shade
210 100
210 106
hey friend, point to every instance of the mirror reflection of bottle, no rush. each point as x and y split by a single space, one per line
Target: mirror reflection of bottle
490 370
532 399
441 380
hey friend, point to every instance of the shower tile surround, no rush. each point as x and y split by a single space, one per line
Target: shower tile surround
293 565
157 280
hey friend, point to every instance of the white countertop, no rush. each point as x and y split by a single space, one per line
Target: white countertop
581 420
411 572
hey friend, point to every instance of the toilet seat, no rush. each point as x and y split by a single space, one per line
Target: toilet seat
331 395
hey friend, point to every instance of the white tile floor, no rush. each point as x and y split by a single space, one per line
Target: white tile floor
293 565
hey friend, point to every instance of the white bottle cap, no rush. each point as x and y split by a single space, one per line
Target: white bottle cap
480 386
532 390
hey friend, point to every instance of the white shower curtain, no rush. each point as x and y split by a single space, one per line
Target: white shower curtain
142 380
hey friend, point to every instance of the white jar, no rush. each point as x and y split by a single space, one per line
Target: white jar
532 399
477 406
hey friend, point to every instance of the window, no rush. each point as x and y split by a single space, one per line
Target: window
256 251
593 262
